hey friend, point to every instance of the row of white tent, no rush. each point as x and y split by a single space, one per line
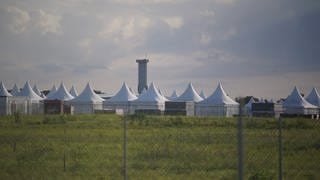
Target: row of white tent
126 100
295 103
219 103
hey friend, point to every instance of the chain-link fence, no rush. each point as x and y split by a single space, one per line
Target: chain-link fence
158 147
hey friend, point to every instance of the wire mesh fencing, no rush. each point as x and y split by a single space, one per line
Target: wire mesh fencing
178 148
158 147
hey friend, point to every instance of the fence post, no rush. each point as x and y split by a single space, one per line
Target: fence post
125 148
280 148
240 144
64 148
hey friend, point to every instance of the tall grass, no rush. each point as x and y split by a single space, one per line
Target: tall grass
159 147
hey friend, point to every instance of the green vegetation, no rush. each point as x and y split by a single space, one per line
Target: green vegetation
159 147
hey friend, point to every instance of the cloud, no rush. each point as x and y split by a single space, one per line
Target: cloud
86 44
51 68
49 23
20 19
175 22
225 2
186 40
205 38
138 2
207 13
126 31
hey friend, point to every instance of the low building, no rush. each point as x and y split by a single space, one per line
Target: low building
179 108
266 109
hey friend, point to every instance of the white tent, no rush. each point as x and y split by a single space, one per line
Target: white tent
34 106
87 101
149 100
36 90
296 104
73 91
121 101
52 91
15 90
132 91
189 94
28 92
3 90
218 104
61 94
144 90
314 97
203 95
248 106
173 96
10 104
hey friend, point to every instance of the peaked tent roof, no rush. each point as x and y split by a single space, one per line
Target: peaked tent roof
203 95
123 95
15 90
27 91
132 91
249 104
296 100
160 92
36 90
73 91
52 91
144 90
190 94
219 97
174 95
151 95
61 94
3 90
88 95
314 97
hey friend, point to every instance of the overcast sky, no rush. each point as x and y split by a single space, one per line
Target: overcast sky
254 47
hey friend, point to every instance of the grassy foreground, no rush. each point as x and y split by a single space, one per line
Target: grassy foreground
159 147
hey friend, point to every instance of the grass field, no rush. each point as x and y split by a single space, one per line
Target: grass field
159 147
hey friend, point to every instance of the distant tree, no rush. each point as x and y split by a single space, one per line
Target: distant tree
98 91
45 92
245 100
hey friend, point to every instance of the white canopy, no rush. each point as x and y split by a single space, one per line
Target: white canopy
151 95
174 95
3 90
189 94
249 104
296 100
61 94
15 90
88 95
132 91
28 92
123 95
203 95
219 97
52 91
36 90
73 91
314 97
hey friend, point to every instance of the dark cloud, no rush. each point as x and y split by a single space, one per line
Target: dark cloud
185 40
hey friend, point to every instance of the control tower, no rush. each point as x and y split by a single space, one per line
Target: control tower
142 74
